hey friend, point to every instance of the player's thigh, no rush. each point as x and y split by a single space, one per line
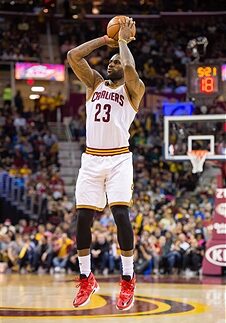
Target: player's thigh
90 189
119 184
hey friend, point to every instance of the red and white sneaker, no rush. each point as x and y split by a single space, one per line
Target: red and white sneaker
87 287
126 296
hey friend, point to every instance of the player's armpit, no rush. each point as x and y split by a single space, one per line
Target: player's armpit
134 85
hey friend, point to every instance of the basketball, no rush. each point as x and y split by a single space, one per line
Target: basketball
114 26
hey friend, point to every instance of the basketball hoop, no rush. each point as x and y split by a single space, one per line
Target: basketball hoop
197 158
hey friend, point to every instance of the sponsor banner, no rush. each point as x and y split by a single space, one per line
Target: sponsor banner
219 218
221 209
220 228
216 255
221 193
35 71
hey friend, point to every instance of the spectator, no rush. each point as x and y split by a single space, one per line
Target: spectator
60 260
38 260
14 249
72 264
19 104
7 97
143 257
26 254
100 253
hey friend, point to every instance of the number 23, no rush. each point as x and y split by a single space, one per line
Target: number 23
106 116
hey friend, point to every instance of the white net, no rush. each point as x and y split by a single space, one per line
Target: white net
197 158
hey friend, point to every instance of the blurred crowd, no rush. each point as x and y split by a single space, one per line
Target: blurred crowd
26 141
111 6
171 212
19 39
29 164
161 57
172 208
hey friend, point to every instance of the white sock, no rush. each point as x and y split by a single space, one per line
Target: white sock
127 265
85 265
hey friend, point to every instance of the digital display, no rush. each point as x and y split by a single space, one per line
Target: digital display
204 79
35 71
177 108
223 71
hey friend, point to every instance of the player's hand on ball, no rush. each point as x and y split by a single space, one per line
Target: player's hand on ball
126 29
110 42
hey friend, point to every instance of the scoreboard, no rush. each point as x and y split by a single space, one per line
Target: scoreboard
204 82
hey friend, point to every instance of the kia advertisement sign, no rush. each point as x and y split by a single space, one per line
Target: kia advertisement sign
215 255
221 209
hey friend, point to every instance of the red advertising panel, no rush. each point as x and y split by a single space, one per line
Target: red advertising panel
215 255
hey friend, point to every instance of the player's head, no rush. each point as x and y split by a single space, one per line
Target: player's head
115 70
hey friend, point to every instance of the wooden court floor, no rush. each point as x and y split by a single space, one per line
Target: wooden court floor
48 298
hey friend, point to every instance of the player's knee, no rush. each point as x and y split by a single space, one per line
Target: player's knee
84 220
124 227
121 214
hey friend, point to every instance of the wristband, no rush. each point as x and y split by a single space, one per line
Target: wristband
105 39
121 39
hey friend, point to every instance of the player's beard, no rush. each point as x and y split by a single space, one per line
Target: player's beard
115 76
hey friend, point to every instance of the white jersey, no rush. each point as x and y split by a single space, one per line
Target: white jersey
109 114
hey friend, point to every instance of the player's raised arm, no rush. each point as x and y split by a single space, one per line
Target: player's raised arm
80 66
133 83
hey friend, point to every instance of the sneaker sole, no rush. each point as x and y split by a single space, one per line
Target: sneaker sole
126 308
95 290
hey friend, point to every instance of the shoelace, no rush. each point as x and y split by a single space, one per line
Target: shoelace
84 285
126 288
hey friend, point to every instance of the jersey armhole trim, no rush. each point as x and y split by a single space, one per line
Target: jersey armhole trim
130 101
93 91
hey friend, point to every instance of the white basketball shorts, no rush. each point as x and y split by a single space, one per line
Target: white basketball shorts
104 180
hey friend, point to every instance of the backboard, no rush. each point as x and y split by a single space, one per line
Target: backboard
197 132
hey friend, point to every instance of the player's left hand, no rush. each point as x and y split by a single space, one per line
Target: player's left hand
110 42
125 30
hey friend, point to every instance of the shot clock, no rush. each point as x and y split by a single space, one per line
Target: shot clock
204 82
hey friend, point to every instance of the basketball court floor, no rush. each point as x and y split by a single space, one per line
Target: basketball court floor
48 298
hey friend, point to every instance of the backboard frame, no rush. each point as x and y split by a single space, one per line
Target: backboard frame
168 119
200 137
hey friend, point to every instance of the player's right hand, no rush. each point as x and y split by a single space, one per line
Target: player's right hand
110 42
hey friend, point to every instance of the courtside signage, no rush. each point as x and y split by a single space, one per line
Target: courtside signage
221 193
221 209
216 255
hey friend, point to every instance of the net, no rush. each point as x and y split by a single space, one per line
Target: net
197 158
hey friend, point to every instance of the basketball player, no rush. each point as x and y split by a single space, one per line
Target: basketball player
106 170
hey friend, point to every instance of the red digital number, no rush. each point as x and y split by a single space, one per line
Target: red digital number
207 85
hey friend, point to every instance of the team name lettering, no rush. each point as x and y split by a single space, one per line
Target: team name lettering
108 96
